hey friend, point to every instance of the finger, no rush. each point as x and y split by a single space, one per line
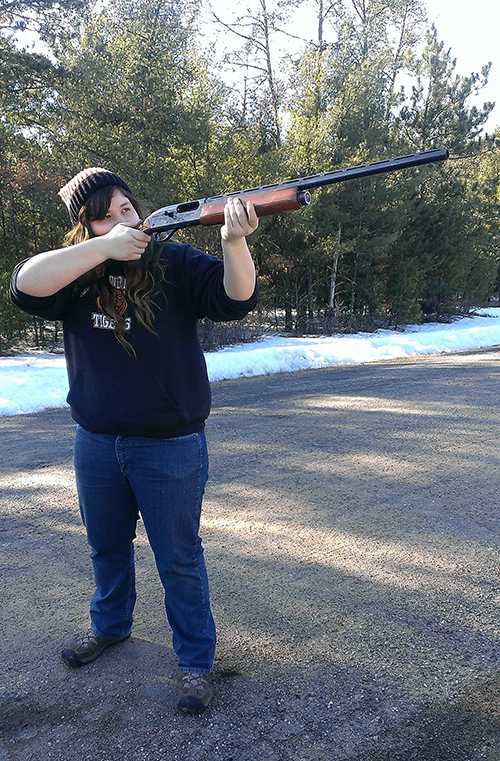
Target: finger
240 219
145 226
243 204
240 212
139 235
227 219
233 222
252 214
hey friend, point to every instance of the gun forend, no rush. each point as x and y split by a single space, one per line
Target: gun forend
266 202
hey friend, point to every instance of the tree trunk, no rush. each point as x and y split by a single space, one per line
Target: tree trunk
310 294
330 310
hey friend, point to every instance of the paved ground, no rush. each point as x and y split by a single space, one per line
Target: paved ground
350 538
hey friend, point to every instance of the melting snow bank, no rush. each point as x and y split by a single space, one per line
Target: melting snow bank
275 354
35 381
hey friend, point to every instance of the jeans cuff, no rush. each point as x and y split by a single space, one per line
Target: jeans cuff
110 636
194 670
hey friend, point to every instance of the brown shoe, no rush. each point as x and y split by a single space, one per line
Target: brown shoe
194 691
86 648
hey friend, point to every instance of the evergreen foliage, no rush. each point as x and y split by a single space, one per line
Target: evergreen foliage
133 86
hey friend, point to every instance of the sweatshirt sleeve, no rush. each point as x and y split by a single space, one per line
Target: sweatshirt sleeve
203 279
52 307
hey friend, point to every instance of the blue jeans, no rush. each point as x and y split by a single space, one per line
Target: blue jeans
164 479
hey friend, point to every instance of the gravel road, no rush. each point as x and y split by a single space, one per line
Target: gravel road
351 544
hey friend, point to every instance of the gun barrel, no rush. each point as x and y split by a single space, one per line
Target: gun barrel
364 170
339 175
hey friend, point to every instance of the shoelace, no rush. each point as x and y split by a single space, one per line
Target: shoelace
195 680
86 637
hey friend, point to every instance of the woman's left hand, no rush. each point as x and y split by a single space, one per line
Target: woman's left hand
240 219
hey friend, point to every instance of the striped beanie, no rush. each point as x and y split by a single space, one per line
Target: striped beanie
82 185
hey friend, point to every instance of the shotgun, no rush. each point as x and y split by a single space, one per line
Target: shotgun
289 195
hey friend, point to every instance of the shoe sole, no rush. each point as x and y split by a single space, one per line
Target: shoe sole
72 660
194 705
192 709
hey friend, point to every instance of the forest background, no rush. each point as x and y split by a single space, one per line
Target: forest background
136 87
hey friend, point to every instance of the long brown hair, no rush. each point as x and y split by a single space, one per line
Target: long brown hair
143 276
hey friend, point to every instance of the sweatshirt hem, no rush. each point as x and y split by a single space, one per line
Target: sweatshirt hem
195 427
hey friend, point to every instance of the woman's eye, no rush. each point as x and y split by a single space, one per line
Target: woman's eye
108 215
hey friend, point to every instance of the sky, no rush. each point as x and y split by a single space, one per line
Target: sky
471 31
33 381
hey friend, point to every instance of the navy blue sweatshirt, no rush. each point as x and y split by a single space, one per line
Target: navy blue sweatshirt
165 392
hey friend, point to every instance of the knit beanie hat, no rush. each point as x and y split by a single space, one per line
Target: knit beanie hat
82 185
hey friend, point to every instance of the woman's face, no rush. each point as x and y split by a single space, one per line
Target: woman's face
120 211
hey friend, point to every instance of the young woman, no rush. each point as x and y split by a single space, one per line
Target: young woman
139 394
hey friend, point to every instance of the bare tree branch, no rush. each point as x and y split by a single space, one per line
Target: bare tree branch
275 29
330 7
243 36
250 65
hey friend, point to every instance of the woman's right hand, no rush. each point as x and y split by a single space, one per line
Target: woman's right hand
124 243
